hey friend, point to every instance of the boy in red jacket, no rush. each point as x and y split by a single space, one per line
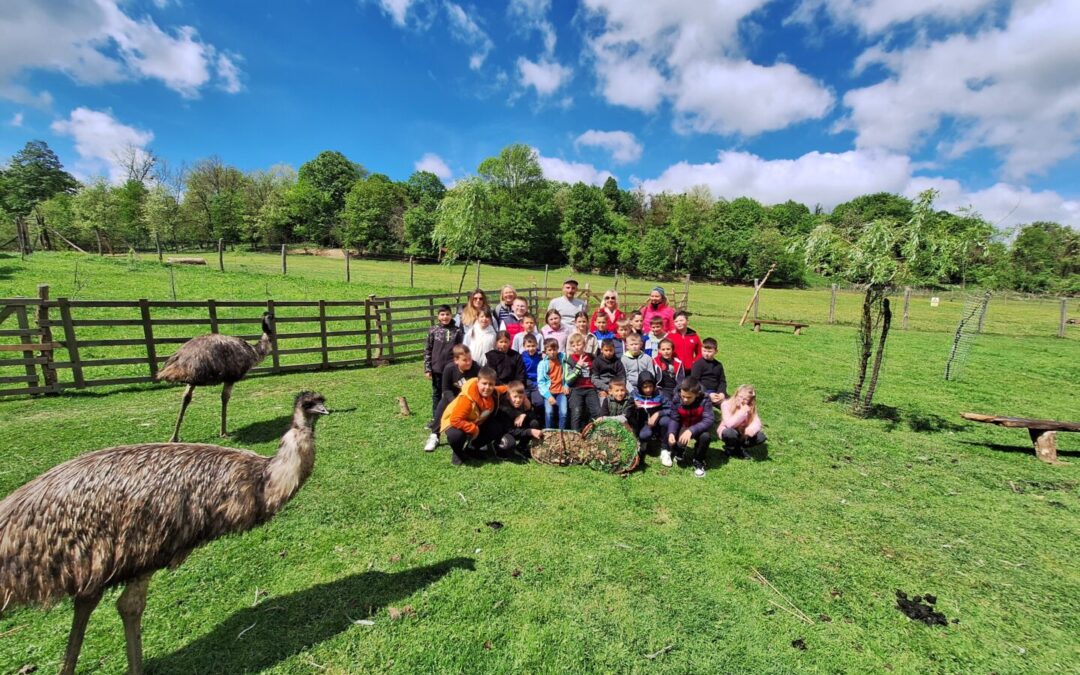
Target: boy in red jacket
691 421
685 339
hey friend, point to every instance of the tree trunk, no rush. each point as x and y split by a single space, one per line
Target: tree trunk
866 329
98 233
886 319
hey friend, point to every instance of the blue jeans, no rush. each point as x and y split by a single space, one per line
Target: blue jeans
549 412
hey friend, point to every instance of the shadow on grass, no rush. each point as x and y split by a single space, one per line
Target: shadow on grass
257 638
265 431
1022 449
895 417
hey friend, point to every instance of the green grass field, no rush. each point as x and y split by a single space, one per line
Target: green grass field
592 572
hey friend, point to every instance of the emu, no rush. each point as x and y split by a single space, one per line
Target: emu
116 516
214 359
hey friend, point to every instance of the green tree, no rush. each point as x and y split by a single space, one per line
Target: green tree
516 167
33 175
425 192
214 200
1044 253
584 221
161 215
465 220
372 217
95 213
330 174
879 254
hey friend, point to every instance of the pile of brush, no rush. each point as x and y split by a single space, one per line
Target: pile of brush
607 445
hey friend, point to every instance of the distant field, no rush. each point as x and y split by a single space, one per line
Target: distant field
592 572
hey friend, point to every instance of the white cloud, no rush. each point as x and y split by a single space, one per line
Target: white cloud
466 30
623 145
398 10
531 15
571 172
1014 88
833 178
435 164
875 16
688 52
97 43
229 73
16 120
545 77
100 139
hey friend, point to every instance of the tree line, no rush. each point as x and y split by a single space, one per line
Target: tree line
507 213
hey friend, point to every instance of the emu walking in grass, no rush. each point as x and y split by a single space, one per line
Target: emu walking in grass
118 515
214 359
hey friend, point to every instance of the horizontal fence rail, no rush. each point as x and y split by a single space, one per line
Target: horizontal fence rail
51 345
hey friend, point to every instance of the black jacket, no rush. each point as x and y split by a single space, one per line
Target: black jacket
453 378
507 365
440 346
604 371
711 375
508 413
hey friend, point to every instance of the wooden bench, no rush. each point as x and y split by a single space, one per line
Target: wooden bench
1043 432
798 326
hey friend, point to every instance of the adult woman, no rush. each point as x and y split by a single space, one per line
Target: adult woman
504 311
609 305
476 306
657 306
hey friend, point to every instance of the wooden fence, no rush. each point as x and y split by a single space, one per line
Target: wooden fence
60 344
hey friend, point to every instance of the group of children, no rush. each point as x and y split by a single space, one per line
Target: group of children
490 385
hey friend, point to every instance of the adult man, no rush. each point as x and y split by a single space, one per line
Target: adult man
567 305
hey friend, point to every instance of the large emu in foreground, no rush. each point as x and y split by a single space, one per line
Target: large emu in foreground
210 360
118 515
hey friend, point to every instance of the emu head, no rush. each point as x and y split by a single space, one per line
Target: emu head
267 317
308 407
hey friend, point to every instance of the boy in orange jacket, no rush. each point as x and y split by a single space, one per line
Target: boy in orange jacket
471 416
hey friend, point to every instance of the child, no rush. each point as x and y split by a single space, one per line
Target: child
617 404
650 412
528 327
530 358
691 418
635 362
656 334
480 338
686 340
740 426
584 401
607 367
622 331
470 417
550 382
581 327
512 322
554 329
518 419
454 376
438 353
602 333
506 363
710 373
669 369
637 322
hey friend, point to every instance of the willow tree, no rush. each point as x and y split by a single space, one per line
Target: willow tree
879 255
465 222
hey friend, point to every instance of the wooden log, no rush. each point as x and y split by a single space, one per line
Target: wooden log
403 406
757 290
221 255
47 371
757 287
832 305
187 261
284 266
1061 323
348 270
1045 443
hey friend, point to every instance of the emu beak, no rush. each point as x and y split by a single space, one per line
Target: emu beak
319 409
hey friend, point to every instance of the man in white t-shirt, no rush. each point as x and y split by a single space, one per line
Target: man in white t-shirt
567 305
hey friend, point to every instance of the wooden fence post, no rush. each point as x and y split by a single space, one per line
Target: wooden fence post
907 303
348 271
615 286
411 271
587 295
477 273
367 327
221 255
390 330
1061 323
148 336
47 371
211 308
322 334
369 308
545 277
982 311
756 296
71 343
172 281
28 344
832 305
686 293
273 326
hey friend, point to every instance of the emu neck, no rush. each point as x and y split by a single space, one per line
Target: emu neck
264 346
291 466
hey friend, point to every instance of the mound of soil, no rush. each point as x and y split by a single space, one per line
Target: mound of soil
920 608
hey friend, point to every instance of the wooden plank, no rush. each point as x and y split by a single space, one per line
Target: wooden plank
1022 422
94 363
25 391
368 309
389 333
315 334
30 346
148 337
114 381
7 311
273 322
24 324
48 373
103 303
322 332
18 379
71 342
17 332
211 309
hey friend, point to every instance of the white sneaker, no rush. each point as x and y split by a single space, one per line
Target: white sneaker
699 469
432 443
665 457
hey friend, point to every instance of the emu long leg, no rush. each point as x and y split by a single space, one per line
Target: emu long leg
130 606
84 606
183 408
226 393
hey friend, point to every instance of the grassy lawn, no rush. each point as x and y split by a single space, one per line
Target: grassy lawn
592 572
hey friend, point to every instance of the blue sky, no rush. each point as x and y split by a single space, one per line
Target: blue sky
813 100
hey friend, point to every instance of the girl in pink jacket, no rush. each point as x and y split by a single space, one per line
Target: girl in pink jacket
740 425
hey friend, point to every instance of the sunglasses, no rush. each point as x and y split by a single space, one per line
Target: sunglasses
609 297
